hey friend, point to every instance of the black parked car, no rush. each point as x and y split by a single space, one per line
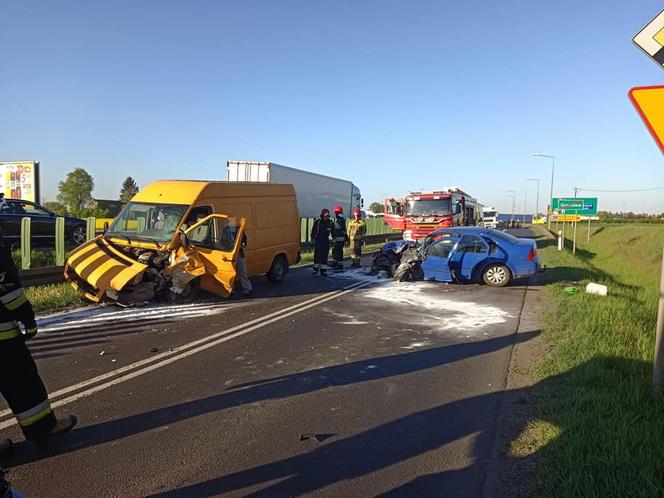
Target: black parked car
42 226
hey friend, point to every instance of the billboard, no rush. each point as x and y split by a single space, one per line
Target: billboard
20 180
583 206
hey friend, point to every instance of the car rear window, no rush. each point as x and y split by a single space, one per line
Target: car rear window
504 236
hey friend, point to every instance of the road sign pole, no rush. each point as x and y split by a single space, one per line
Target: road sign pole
564 216
658 366
588 240
574 242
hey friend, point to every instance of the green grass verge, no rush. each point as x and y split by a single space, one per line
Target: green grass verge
51 298
599 430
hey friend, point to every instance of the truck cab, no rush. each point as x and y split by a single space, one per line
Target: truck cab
490 217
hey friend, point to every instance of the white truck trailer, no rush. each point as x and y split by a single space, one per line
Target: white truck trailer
314 192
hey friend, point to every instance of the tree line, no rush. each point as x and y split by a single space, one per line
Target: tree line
75 196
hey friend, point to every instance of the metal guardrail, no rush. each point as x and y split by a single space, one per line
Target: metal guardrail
42 276
55 274
370 239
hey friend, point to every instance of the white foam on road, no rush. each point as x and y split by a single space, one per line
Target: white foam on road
100 316
450 314
424 303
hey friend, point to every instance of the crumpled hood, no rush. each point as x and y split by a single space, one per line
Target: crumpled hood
101 266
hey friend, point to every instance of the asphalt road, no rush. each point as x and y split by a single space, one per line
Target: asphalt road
345 386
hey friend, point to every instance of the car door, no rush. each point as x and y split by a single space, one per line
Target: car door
470 251
213 247
42 222
436 259
10 222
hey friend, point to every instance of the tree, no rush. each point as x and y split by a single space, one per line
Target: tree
75 192
129 189
56 207
376 207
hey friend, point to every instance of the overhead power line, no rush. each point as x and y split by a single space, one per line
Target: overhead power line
618 191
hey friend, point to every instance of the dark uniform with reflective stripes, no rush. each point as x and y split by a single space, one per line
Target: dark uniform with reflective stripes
320 234
339 237
20 383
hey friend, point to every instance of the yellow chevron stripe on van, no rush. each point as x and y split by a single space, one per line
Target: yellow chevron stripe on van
121 279
103 275
89 264
80 252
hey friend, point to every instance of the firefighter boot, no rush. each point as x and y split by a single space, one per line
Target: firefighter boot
62 425
5 445
323 273
315 270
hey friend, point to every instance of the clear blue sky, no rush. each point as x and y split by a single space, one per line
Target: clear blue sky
393 95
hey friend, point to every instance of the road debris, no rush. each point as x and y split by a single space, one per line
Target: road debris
599 289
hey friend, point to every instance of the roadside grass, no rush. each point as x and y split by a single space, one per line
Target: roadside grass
599 430
39 258
52 298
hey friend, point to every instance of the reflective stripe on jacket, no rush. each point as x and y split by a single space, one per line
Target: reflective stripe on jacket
339 228
357 229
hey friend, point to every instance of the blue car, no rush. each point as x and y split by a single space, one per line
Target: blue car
472 254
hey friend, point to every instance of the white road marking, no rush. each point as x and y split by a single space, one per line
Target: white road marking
181 352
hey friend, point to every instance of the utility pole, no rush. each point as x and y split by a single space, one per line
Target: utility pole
525 205
512 194
658 366
576 191
553 169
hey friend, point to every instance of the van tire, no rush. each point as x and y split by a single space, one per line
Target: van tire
278 269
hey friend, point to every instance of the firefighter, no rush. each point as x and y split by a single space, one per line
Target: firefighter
339 239
357 230
20 383
320 234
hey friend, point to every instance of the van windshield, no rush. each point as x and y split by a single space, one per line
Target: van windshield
155 222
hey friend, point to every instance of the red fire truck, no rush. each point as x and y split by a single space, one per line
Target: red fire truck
424 212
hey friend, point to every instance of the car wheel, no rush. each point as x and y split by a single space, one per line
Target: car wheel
278 269
78 235
496 275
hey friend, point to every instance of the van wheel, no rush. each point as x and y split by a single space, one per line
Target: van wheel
278 269
496 275
187 295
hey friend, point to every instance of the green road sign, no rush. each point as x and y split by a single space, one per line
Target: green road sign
583 206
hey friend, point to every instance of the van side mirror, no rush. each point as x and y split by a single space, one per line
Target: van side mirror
106 226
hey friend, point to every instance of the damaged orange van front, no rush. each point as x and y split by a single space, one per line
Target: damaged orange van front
176 237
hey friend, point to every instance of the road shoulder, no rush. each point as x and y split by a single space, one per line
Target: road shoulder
511 472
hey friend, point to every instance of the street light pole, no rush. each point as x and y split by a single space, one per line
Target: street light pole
537 201
553 168
525 204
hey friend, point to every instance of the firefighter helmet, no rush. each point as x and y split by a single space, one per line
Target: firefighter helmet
338 210
324 212
357 212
